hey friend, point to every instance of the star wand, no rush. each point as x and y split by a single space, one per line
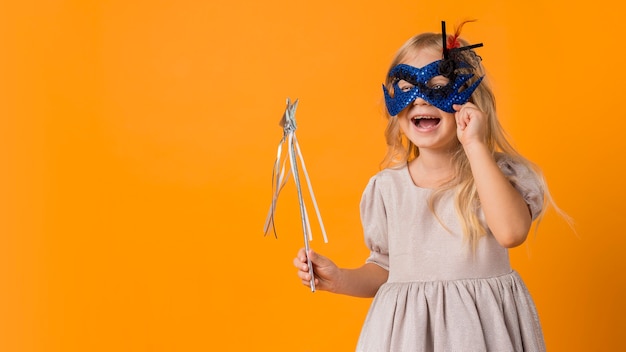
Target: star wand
279 179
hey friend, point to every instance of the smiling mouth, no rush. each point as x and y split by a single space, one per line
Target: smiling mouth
426 122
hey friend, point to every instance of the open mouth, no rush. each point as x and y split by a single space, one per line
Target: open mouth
425 122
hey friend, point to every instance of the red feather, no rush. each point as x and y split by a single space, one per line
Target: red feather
453 40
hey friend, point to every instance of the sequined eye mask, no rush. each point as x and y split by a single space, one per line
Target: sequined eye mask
443 97
417 81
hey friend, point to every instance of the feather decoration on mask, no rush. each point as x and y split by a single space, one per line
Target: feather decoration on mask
453 40
452 43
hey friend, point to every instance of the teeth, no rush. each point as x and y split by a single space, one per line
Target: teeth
423 117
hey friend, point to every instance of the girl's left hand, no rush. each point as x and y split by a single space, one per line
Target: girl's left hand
471 124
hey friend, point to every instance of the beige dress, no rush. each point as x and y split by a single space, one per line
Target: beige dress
440 296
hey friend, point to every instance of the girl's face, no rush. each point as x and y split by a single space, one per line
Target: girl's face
425 125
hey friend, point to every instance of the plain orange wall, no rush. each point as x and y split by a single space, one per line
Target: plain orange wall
137 140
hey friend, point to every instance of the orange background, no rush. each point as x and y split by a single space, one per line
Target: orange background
137 140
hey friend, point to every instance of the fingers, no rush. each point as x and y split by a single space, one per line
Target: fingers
462 121
301 255
464 114
467 112
458 107
307 282
300 261
313 256
461 117
325 271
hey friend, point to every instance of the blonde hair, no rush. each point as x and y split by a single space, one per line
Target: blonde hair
400 150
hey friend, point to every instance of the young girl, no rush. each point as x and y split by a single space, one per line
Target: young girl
439 219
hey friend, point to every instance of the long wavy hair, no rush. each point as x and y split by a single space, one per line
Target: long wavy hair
400 150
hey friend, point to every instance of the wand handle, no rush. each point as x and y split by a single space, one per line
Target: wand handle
310 264
303 215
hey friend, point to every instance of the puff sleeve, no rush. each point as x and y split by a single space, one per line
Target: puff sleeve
374 221
526 181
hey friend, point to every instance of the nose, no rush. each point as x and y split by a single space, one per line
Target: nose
420 101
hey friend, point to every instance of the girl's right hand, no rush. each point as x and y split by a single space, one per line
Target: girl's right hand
326 273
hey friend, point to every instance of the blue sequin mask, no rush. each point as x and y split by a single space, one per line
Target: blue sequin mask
410 83
418 83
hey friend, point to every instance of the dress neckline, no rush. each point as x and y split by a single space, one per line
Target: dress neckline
409 178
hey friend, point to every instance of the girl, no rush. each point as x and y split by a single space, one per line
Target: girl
439 219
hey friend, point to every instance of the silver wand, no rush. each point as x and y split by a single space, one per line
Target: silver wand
279 179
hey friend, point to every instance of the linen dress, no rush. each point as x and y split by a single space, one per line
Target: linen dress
440 296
